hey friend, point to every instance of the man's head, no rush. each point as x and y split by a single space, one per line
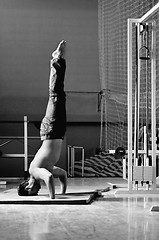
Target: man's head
24 191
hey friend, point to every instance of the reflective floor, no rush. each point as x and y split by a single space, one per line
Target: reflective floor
110 217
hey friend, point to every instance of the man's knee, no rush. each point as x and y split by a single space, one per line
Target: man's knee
63 176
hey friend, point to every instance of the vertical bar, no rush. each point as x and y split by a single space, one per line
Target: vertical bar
145 146
136 102
129 75
137 94
147 99
71 149
73 160
153 102
68 160
82 162
124 168
101 127
25 147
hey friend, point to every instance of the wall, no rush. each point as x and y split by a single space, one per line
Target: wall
30 31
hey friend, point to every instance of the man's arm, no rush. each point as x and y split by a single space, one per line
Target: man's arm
47 177
62 175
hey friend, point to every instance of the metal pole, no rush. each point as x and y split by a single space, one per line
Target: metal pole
129 75
82 162
137 95
149 13
25 147
147 100
153 102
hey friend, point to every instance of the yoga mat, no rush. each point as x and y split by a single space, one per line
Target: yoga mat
10 196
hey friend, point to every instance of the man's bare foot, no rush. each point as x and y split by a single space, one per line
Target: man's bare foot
60 51
61 45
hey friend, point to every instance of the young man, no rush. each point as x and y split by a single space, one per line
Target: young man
52 131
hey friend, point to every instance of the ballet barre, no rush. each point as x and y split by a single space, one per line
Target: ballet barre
25 138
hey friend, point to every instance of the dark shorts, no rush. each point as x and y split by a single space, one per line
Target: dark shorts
53 125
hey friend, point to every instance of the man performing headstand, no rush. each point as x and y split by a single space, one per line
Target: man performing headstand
52 131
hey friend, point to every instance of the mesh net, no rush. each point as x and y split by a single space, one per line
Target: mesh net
113 17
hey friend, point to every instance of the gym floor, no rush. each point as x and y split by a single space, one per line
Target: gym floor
109 217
